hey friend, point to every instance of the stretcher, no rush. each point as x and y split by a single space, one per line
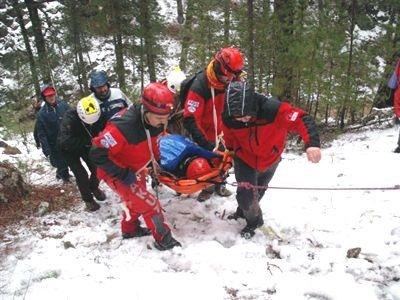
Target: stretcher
218 174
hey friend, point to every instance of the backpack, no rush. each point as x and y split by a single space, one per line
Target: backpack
185 87
395 78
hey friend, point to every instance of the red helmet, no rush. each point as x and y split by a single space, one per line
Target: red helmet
230 61
158 99
198 167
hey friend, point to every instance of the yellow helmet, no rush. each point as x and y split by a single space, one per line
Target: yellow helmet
88 110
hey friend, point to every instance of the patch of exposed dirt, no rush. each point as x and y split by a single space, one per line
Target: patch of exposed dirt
59 197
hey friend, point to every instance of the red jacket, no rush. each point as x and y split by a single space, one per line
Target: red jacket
123 146
396 98
261 142
198 113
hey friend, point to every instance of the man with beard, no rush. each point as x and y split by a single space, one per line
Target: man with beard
111 100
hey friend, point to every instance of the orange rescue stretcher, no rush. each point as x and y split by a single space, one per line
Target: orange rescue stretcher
219 172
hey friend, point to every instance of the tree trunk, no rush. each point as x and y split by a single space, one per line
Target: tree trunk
317 102
148 41
349 65
227 21
179 8
141 65
118 44
39 40
283 73
32 66
250 40
120 69
186 35
77 40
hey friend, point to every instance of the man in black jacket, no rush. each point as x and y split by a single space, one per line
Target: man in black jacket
77 129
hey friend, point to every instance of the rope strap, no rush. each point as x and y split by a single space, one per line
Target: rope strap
248 185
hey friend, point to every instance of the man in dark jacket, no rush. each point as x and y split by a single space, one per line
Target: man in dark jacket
77 129
255 128
48 122
204 103
111 100
124 149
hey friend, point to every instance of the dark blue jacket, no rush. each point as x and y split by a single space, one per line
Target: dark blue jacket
48 122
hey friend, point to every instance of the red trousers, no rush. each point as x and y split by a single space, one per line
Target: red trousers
139 202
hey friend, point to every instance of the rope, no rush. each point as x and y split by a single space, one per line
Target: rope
152 158
215 119
248 185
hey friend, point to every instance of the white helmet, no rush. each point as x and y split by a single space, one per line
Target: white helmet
88 110
174 80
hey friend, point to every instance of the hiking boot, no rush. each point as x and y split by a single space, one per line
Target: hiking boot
92 206
168 242
222 191
397 150
204 195
99 195
238 214
249 230
140 231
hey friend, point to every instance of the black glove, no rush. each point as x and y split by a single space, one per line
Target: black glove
154 182
130 178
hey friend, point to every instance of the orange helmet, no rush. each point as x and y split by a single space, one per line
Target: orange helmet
197 167
230 61
158 99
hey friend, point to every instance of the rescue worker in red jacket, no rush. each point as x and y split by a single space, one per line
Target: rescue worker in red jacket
205 101
124 149
394 85
255 128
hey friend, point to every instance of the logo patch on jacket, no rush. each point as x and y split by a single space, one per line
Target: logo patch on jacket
109 139
192 105
104 143
293 116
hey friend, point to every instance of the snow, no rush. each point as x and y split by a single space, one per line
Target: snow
300 252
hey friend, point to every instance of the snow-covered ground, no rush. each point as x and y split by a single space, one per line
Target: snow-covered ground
300 253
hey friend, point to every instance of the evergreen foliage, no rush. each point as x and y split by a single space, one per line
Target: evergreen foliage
332 58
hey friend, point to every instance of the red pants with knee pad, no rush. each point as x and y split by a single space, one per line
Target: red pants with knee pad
139 202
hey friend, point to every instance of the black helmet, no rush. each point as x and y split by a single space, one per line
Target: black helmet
240 100
98 78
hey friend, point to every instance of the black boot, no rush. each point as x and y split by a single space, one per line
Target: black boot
205 195
167 242
222 191
92 205
238 214
249 230
99 194
140 231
